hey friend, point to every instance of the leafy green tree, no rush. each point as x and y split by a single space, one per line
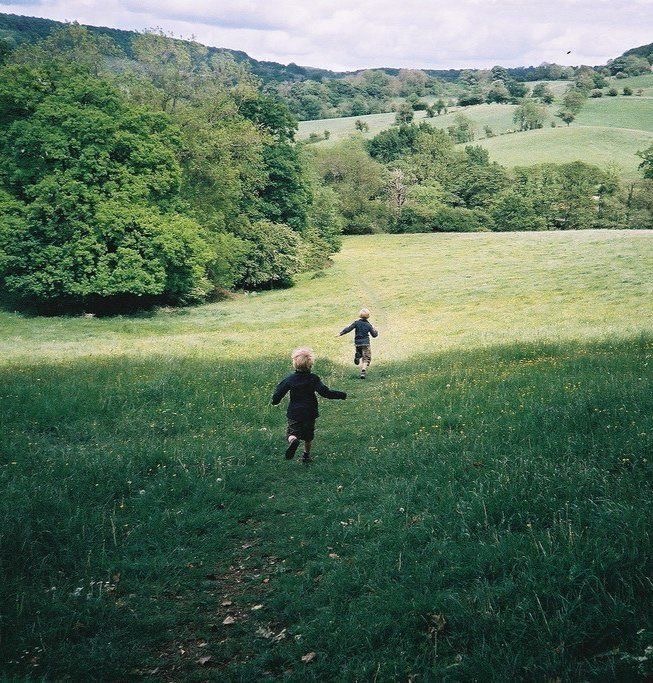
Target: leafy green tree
517 90
498 93
513 211
273 257
361 126
404 114
440 105
97 182
627 91
573 101
529 115
392 143
647 162
325 216
463 129
359 182
567 116
543 92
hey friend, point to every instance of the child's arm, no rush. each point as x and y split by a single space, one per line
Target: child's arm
324 390
349 328
373 331
281 390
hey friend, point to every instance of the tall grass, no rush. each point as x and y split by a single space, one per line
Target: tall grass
478 509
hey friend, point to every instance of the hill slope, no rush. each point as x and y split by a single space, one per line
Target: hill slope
485 492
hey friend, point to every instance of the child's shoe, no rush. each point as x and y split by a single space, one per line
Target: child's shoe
306 458
292 449
363 374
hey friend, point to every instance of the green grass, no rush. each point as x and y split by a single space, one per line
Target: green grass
479 509
645 82
617 127
617 112
497 116
602 146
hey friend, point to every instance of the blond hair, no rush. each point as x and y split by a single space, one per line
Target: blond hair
364 313
303 358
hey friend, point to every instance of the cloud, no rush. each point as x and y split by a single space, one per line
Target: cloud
343 35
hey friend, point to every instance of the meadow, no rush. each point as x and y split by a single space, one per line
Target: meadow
607 130
603 146
478 509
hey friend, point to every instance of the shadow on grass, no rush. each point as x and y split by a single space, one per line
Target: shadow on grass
478 514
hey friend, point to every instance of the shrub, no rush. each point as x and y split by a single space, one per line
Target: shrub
596 93
420 218
628 91
117 250
512 211
273 256
612 92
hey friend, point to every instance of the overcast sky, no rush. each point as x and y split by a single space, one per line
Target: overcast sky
353 34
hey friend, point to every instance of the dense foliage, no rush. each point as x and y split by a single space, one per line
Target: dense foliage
418 178
165 183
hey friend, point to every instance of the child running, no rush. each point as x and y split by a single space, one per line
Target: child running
364 329
302 409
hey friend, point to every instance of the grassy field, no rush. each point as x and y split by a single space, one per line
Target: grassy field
479 508
608 130
645 82
497 116
598 145
634 113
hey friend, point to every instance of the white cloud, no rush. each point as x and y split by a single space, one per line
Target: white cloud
340 34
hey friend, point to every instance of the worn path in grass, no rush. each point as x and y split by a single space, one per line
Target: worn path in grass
478 509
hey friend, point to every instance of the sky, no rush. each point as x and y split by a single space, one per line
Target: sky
355 34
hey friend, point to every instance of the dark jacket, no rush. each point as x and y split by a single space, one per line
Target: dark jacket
363 331
302 387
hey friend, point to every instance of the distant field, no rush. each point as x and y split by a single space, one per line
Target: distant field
497 116
645 82
617 112
601 146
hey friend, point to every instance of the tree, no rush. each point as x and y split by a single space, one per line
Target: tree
273 257
498 93
513 211
566 116
543 92
358 180
647 162
573 101
440 106
361 126
404 114
529 115
94 183
462 130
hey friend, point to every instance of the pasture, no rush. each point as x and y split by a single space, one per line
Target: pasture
479 508
603 146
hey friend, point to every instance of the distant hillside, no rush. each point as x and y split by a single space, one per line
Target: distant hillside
16 29
641 51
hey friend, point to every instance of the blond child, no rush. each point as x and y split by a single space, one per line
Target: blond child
302 409
364 329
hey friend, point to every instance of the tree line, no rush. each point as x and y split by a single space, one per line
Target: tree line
416 178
